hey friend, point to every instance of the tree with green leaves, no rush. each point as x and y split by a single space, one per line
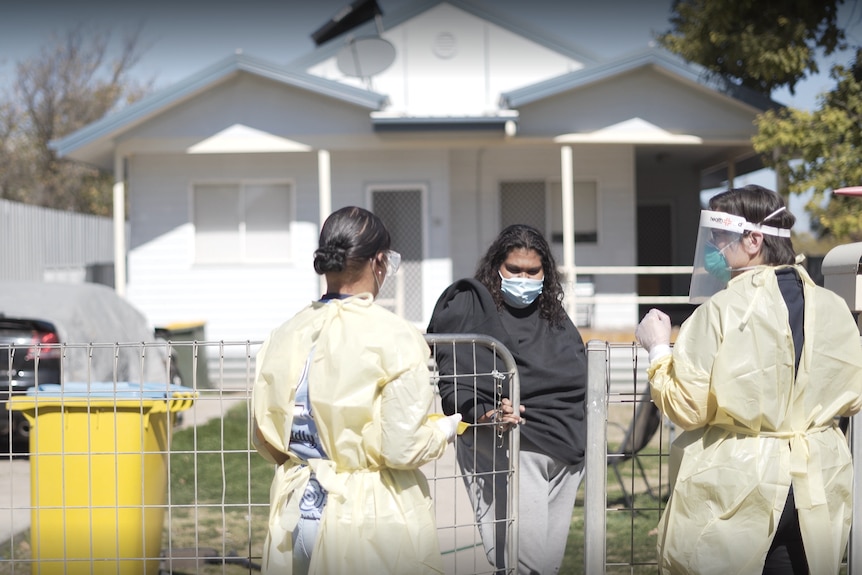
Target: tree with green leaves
756 44
820 151
76 79
767 45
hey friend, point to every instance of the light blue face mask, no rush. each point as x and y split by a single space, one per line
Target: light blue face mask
715 263
520 292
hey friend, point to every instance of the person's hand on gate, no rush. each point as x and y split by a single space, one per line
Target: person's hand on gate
505 416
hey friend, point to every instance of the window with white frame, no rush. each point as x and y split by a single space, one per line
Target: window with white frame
586 212
523 203
540 205
242 222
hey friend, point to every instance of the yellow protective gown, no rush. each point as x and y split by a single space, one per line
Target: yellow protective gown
370 394
752 428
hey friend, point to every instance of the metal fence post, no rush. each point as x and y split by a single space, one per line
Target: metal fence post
854 562
595 492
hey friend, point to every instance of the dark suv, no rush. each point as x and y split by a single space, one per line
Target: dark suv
26 358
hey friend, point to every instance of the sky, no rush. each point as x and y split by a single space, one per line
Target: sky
184 36
181 37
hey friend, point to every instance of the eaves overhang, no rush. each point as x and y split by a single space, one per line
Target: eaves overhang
505 123
652 57
112 125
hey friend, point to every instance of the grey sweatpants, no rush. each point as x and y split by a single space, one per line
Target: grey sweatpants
547 489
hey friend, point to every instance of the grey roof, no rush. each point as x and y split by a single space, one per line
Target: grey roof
485 11
293 74
650 57
205 79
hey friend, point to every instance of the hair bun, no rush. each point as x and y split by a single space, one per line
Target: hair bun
330 258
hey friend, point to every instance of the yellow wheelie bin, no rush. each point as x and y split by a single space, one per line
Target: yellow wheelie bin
98 474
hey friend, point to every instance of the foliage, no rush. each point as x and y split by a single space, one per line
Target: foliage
76 79
759 45
819 151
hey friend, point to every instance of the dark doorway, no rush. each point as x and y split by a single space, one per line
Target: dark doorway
655 248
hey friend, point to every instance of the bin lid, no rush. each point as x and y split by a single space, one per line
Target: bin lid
107 395
118 390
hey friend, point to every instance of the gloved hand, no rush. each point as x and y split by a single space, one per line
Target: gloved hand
653 333
449 425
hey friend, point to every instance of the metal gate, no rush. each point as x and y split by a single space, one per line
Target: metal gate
212 514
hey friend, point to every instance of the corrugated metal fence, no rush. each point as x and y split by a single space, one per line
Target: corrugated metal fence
42 244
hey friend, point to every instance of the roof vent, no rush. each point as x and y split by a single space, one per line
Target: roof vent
445 45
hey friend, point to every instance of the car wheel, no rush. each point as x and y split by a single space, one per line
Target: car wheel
20 433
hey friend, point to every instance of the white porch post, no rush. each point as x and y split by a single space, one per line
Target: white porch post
324 194
119 207
731 173
568 192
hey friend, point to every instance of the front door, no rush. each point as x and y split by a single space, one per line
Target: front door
401 212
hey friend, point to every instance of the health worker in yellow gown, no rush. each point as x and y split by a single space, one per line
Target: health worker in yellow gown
758 376
341 401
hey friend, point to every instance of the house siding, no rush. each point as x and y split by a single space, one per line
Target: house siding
449 61
237 302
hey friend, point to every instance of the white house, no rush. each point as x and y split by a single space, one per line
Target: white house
467 122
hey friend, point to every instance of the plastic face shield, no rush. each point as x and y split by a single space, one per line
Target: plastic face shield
716 234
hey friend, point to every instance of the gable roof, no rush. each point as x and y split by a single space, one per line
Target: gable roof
651 57
156 103
474 7
95 142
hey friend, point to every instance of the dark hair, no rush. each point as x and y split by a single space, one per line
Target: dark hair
754 203
349 237
527 237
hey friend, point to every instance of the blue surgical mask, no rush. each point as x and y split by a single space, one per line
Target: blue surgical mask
715 263
520 292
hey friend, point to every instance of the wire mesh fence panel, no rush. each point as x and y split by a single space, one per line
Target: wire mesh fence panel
624 500
627 482
125 475
476 537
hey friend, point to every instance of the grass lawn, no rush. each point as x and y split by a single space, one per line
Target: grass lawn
630 530
219 494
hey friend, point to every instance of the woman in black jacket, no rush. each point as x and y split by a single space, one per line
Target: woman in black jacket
516 297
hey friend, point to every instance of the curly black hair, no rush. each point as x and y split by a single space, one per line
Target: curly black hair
523 236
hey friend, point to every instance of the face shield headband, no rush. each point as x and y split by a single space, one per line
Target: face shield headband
718 232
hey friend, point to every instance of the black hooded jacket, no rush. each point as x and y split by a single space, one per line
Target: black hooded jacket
552 368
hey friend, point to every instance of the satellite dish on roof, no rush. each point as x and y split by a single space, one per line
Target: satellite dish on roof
365 57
